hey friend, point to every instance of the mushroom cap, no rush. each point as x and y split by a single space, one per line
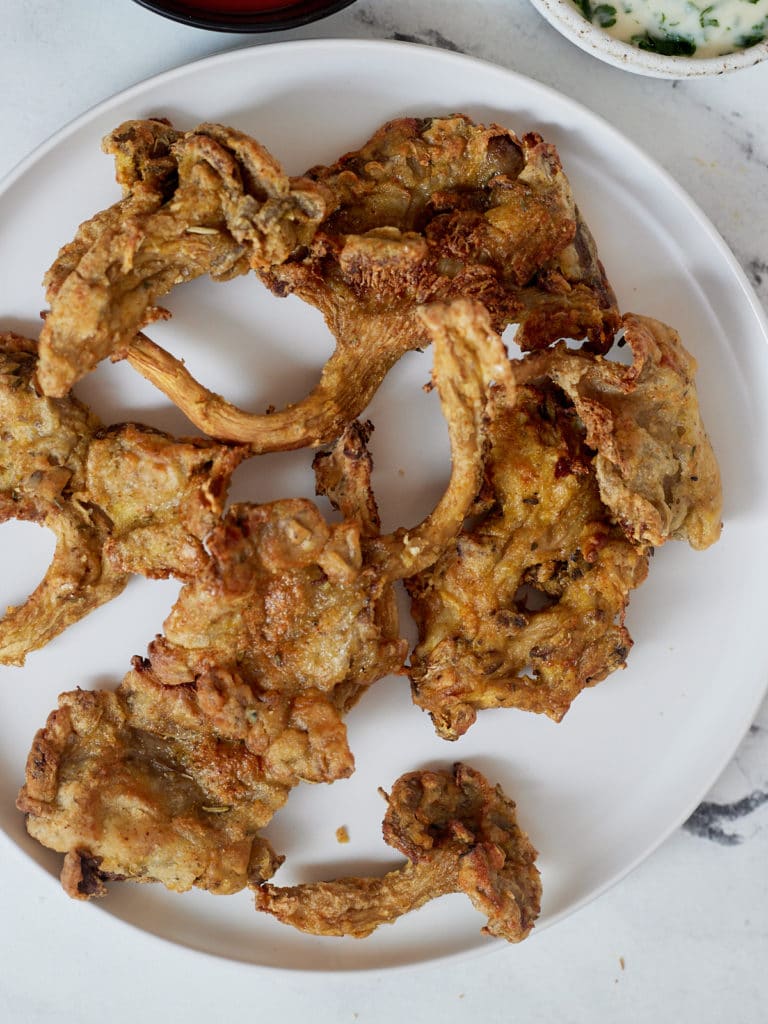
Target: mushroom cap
436 813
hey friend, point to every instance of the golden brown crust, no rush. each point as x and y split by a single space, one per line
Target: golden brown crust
470 365
277 633
283 629
174 802
170 777
77 580
459 833
163 496
443 208
655 465
230 208
43 455
145 170
119 499
526 607
426 211
143 153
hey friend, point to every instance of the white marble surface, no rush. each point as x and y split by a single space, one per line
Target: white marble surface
685 936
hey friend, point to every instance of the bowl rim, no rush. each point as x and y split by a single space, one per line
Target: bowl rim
563 16
302 12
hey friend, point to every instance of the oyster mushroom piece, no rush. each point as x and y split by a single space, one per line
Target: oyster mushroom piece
428 210
216 203
459 834
120 499
655 465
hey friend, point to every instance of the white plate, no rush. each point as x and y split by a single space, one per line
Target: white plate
598 792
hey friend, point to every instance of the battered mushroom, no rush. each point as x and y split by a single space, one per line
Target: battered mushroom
43 455
162 496
119 499
593 463
655 465
215 203
146 171
525 608
459 834
138 785
428 210
275 637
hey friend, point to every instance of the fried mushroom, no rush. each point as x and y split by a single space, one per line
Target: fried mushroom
160 797
121 499
526 606
147 173
428 210
43 458
655 465
459 833
219 204
267 646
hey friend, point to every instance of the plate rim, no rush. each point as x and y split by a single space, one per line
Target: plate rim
248 53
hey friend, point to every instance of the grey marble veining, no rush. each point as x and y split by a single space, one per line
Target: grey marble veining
710 819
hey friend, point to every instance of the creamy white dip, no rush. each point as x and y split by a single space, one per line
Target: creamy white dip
707 28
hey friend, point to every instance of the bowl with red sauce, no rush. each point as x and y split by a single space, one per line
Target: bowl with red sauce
245 15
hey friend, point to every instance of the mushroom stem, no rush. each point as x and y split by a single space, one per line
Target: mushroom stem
459 833
470 363
357 906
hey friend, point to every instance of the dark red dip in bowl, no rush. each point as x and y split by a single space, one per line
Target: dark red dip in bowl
245 15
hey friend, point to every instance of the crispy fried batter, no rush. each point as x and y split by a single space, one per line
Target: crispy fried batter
139 785
470 367
655 466
44 441
442 208
211 201
526 607
145 170
427 210
120 499
170 777
163 495
285 611
43 456
238 701
460 835
268 645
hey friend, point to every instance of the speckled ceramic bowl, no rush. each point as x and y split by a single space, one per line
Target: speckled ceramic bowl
571 23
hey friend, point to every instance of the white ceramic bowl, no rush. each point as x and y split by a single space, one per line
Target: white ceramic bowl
573 25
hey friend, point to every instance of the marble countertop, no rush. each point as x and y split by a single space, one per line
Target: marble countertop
685 936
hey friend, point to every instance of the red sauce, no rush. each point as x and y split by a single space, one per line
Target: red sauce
240 6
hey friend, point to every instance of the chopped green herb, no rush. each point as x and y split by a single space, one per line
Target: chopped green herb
604 15
669 46
585 7
706 21
751 40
